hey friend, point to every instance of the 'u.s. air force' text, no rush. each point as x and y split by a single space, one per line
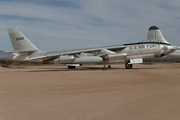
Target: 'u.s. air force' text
20 38
146 46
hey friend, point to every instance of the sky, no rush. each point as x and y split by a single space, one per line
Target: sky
54 25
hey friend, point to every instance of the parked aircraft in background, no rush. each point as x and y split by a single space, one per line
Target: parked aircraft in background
155 46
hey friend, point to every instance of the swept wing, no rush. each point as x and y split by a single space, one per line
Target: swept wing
50 55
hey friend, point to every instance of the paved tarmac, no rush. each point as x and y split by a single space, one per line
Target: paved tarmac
146 92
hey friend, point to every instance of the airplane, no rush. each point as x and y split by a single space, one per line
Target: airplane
131 53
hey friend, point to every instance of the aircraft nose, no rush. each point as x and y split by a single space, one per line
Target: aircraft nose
173 48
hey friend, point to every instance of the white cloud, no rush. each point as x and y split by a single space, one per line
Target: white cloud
90 23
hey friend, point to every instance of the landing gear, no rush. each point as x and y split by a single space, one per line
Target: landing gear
104 68
71 67
109 66
105 58
128 66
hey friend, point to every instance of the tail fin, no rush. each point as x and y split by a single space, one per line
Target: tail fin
155 33
19 41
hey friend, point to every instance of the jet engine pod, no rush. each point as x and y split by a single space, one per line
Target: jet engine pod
88 59
64 59
117 55
61 59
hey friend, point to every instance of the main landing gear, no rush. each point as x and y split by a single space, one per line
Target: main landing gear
105 59
71 67
128 66
104 68
109 66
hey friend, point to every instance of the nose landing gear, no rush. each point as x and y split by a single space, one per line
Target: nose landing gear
109 66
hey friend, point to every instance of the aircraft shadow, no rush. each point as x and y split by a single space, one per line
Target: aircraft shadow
51 69
85 69
76 69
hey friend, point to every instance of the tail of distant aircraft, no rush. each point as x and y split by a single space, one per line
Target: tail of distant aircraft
19 42
155 33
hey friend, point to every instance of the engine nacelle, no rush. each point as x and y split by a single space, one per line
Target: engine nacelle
117 55
88 59
61 59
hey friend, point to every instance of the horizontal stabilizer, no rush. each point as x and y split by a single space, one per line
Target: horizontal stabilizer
35 58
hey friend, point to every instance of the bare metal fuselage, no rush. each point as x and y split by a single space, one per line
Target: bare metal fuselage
132 51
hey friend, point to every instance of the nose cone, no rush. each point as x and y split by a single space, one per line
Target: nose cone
173 48
168 49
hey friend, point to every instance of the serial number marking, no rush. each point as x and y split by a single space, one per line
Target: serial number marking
20 38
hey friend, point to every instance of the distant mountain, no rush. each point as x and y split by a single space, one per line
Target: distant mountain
5 56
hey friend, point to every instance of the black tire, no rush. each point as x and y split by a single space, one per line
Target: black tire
104 68
109 66
71 67
128 66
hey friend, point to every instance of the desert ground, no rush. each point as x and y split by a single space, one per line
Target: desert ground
146 92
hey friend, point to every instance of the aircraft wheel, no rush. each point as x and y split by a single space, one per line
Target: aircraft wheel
109 66
128 66
71 67
104 68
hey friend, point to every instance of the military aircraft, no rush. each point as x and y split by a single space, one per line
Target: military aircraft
131 53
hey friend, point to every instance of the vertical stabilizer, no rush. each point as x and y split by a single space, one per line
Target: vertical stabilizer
155 33
19 41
